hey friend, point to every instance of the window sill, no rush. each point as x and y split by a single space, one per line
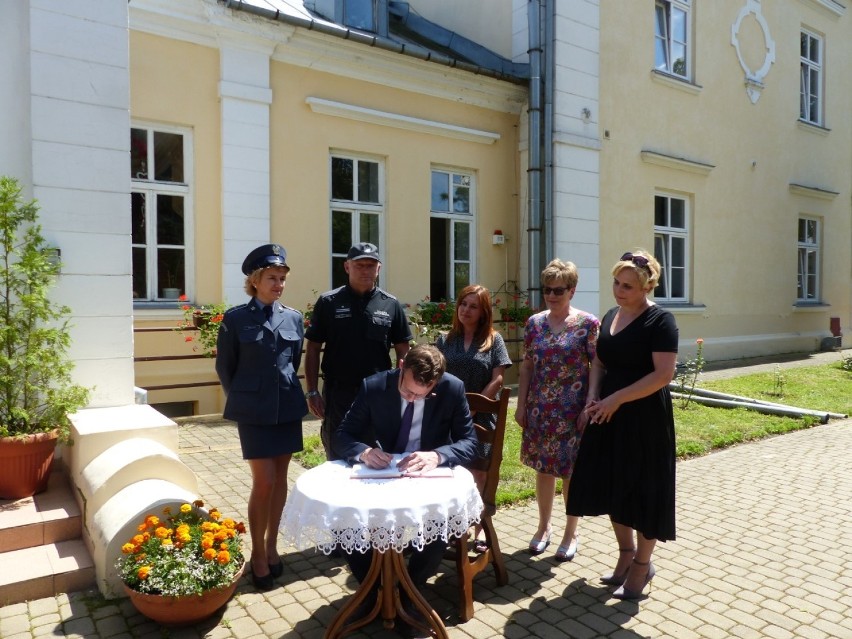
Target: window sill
680 308
810 307
804 125
676 82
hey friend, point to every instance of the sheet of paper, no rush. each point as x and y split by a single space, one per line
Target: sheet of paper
362 471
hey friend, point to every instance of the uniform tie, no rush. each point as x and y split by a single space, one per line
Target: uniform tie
267 310
404 429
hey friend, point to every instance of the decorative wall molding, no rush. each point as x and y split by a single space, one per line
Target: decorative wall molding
829 7
753 79
398 121
674 162
812 191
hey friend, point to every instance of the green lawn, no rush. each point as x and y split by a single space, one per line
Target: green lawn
700 429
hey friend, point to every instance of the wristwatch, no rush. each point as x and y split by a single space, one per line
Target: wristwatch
312 393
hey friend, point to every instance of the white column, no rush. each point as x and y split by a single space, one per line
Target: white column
79 110
245 97
576 144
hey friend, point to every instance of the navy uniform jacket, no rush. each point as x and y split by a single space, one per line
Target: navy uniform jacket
257 362
376 415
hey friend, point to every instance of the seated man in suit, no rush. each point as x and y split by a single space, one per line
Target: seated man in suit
417 409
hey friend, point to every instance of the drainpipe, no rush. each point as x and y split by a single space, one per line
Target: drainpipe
534 171
547 245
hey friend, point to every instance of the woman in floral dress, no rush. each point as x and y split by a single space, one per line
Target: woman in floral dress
559 345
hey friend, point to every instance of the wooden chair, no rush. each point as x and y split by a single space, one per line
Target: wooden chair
469 563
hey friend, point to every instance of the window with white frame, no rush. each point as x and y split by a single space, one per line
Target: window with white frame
161 211
357 208
807 288
810 84
671 247
671 37
450 233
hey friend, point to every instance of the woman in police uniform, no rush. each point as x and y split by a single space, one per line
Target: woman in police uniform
257 357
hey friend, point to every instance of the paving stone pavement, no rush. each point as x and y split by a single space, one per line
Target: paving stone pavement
764 550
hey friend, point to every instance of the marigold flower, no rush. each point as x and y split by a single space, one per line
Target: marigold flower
229 523
223 546
152 520
141 527
241 528
128 549
186 508
198 503
183 529
162 533
215 514
207 542
143 571
209 554
138 539
223 557
185 538
167 541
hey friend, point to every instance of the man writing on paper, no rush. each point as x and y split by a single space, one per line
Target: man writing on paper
417 409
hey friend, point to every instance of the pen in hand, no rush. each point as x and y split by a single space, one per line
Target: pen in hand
379 445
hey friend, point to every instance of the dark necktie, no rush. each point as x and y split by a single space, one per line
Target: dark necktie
267 310
404 429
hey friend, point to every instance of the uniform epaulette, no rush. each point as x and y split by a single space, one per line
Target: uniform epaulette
238 307
385 294
290 308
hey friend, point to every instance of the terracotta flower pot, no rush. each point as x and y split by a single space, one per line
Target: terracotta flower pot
182 611
25 464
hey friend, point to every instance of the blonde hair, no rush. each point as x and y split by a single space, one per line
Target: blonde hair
250 285
565 272
648 274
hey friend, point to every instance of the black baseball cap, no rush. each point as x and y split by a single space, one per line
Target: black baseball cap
266 255
364 250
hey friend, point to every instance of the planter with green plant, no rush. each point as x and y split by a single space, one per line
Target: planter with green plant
37 393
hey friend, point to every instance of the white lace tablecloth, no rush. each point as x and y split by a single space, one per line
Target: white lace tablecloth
326 508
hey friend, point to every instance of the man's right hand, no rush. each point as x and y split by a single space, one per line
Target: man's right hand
376 458
316 406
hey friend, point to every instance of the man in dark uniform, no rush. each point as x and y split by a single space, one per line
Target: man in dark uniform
358 323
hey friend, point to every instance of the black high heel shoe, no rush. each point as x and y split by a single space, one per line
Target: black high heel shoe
626 593
276 570
617 580
265 583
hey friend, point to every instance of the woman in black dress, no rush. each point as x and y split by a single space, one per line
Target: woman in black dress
626 464
258 351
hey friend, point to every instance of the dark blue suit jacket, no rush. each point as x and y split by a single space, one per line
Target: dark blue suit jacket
376 415
257 362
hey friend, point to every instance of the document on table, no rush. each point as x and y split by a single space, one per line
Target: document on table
362 471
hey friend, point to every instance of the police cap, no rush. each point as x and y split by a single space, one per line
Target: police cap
266 255
363 251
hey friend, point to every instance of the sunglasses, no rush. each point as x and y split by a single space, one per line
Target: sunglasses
558 290
639 260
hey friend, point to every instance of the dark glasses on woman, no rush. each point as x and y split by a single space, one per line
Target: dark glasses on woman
557 290
638 260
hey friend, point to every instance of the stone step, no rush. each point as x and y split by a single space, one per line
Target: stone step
46 518
45 571
41 550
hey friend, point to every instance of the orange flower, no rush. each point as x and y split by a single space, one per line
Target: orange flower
141 527
138 539
209 554
185 508
152 520
223 557
162 533
128 549
188 338
183 298
143 571
207 542
167 541
215 514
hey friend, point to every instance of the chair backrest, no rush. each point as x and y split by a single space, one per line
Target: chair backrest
492 441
